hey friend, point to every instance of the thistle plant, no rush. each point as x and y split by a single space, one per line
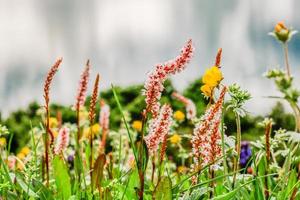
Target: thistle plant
284 79
284 35
238 97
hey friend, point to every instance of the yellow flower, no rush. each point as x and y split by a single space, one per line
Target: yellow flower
21 156
20 166
182 169
53 122
179 115
96 129
2 141
25 151
212 76
55 133
137 125
206 90
86 132
280 27
175 139
211 79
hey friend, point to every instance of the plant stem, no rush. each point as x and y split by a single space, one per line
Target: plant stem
141 160
223 146
47 146
237 147
293 196
268 156
153 168
296 111
212 176
286 56
103 140
77 145
91 158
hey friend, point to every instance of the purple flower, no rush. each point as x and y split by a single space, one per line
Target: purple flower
245 153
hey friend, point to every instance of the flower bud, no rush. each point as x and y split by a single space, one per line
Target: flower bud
282 33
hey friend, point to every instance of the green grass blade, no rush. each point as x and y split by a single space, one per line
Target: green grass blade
126 124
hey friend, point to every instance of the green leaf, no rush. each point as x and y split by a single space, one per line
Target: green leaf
62 178
196 194
126 124
25 187
163 190
97 174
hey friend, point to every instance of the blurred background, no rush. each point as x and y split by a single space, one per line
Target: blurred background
125 39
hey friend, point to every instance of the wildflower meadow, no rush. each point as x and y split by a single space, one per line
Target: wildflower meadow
154 142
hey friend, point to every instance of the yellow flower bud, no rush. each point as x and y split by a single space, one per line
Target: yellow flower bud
2 141
282 33
86 132
179 116
182 169
21 156
53 122
137 125
25 151
175 139
96 129
55 133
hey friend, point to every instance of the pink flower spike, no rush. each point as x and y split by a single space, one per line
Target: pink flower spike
82 88
62 140
206 138
154 84
104 115
159 128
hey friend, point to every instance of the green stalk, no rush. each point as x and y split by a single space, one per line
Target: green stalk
223 147
296 111
141 170
34 145
120 146
238 147
268 156
286 56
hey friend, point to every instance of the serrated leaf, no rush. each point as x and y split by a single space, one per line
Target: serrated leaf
294 136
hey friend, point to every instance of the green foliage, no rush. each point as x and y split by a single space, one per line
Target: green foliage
126 170
62 178
164 189
238 99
